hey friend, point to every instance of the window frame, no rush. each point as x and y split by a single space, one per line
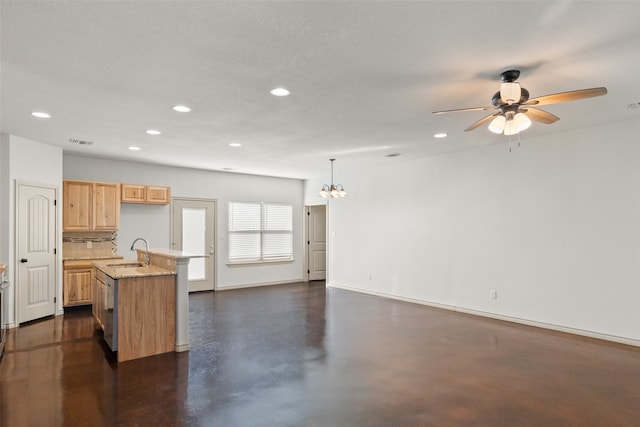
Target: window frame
261 231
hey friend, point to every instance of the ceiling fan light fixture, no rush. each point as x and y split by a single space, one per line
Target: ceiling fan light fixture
497 124
521 122
510 92
510 128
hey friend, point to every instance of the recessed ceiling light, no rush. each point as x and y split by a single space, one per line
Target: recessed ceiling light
41 115
134 148
393 155
181 108
235 144
279 91
153 132
440 135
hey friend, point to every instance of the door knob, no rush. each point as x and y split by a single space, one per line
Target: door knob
23 260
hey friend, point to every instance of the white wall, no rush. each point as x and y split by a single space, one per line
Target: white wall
30 162
553 227
154 222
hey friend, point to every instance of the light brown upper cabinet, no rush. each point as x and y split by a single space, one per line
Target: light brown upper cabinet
90 206
133 193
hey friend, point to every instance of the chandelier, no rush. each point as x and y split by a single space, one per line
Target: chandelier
332 191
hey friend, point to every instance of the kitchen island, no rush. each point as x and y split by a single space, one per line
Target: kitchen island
158 302
135 306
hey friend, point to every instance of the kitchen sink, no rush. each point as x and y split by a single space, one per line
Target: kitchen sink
127 264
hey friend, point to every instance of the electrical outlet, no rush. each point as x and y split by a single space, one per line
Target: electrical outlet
493 294
89 244
369 276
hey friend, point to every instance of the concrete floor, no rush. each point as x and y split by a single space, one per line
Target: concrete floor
303 355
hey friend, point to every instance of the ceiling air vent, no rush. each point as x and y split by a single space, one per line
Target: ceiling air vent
80 141
634 106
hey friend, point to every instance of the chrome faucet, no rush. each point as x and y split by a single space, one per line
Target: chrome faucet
146 245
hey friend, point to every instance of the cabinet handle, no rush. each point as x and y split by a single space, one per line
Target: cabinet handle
23 260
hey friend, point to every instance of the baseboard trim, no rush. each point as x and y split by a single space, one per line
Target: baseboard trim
182 347
255 285
550 326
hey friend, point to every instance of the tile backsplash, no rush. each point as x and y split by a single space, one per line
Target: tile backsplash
89 243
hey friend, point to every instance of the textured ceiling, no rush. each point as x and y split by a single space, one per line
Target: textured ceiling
364 76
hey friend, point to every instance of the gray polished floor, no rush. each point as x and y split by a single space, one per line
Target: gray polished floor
303 355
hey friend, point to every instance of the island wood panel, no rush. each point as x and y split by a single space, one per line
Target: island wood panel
146 316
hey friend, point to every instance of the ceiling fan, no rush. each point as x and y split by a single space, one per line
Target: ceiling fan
516 110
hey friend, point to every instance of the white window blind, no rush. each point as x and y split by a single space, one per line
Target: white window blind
260 232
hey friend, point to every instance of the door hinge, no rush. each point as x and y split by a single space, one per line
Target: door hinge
308 271
308 242
55 299
55 251
308 213
55 202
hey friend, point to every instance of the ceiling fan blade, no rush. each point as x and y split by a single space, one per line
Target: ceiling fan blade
482 121
490 107
540 115
573 95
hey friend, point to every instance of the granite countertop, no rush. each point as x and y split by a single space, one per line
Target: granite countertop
83 257
125 268
172 253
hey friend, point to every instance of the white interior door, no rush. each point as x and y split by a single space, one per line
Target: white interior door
317 242
193 231
36 258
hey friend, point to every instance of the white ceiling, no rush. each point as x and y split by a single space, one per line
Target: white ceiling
364 76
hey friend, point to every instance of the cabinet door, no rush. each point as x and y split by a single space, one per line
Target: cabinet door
77 286
133 193
159 195
107 206
77 205
98 305
94 296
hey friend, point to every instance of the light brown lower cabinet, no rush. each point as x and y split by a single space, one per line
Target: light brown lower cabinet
77 282
77 279
98 297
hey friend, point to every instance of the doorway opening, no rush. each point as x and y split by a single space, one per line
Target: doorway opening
193 230
35 251
316 229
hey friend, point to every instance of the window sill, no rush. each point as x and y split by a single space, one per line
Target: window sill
245 263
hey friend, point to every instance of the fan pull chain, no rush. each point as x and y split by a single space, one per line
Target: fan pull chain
511 139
